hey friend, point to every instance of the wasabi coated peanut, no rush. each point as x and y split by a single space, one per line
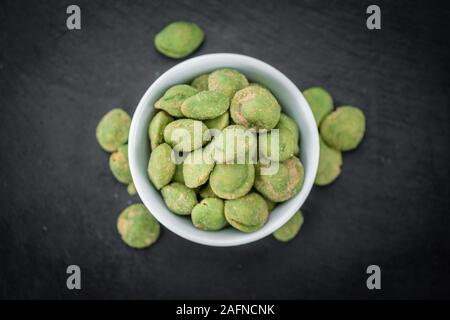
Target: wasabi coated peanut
227 81
282 185
178 175
112 130
137 227
218 123
118 163
330 162
286 146
232 181
254 84
248 213
201 82
179 39
179 198
255 107
205 105
287 123
344 128
197 166
161 167
290 229
131 189
207 192
209 215
186 134
156 128
173 98
235 144
270 205
320 101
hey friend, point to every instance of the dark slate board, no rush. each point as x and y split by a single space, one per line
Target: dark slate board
59 202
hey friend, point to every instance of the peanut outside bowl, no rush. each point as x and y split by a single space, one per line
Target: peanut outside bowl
293 104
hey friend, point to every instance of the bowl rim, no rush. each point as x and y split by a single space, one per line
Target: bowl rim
133 162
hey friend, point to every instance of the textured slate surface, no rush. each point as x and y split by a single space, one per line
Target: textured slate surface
59 202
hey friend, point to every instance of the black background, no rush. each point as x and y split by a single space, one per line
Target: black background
59 201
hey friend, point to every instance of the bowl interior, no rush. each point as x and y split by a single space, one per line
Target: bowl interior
293 104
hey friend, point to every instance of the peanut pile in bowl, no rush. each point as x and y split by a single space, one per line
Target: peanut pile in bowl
223 152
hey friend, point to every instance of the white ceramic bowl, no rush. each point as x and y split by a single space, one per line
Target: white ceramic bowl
293 104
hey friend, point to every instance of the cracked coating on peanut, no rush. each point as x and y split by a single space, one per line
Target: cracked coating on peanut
248 213
255 107
284 184
227 81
